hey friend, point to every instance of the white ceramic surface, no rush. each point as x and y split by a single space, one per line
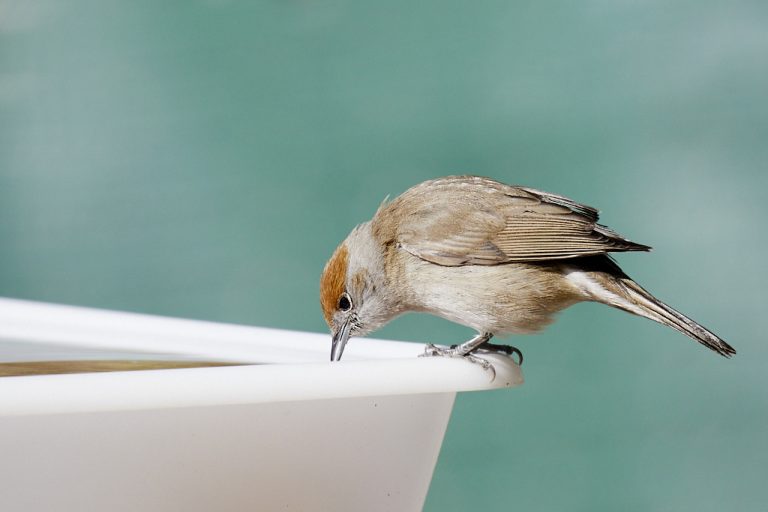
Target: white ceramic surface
292 432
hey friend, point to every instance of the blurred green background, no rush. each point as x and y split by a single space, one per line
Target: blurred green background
203 159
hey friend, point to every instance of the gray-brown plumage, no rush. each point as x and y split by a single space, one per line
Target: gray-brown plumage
498 258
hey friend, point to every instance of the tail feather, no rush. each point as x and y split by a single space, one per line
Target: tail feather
644 304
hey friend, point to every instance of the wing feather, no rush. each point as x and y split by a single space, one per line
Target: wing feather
469 220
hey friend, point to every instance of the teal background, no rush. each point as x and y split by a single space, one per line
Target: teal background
203 159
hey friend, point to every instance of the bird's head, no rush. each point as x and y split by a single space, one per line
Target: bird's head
354 291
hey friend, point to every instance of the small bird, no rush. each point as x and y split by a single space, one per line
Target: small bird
500 259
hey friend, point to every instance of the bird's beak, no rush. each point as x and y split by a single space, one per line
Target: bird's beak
339 341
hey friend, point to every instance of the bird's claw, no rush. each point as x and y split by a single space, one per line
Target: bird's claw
507 350
432 350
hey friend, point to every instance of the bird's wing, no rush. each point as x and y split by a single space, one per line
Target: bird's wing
468 220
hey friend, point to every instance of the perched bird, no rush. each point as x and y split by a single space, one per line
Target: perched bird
497 258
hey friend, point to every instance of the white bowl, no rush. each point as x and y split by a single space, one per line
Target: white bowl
291 432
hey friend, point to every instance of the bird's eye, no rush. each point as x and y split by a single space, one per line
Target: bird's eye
344 302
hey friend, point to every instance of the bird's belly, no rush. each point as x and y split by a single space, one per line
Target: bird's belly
511 298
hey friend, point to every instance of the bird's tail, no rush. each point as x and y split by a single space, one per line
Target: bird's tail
638 301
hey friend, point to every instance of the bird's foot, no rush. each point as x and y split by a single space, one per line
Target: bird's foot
432 350
508 350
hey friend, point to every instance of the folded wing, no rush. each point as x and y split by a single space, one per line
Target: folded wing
468 220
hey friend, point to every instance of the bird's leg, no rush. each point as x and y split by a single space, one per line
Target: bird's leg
458 350
464 350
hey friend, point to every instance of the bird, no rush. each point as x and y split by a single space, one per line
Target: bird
500 259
